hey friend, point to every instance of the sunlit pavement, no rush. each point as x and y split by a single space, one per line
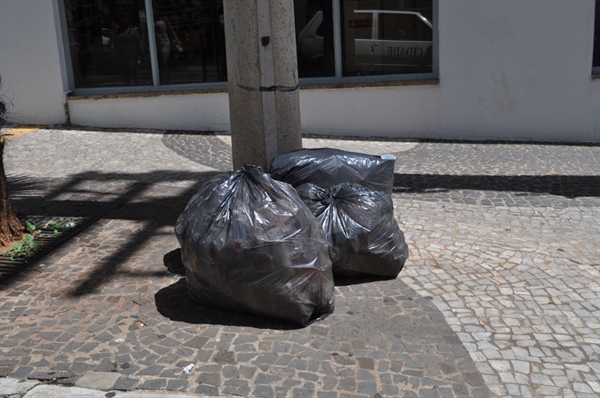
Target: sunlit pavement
500 296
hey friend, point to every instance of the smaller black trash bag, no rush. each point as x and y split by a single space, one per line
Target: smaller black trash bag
327 167
360 226
249 244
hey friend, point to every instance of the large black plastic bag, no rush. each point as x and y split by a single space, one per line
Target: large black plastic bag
327 167
249 244
360 226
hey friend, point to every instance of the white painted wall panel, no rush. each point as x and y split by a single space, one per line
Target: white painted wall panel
516 70
405 111
170 112
31 62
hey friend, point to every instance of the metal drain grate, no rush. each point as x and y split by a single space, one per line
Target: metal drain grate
45 238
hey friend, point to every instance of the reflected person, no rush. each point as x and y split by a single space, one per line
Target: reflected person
165 35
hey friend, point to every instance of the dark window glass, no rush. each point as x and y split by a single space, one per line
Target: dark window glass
403 27
108 43
314 38
190 41
596 61
386 37
362 26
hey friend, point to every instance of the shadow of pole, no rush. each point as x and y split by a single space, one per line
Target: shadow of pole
561 185
108 267
133 202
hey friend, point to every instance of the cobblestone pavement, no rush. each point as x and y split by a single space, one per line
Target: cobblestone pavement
500 296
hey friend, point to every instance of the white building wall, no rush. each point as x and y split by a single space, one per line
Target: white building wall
518 69
398 111
206 112
31 62
507 70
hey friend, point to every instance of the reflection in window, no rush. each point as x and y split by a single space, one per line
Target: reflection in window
407 26
113 42
385 37
314 40
190 41
361 25
108 43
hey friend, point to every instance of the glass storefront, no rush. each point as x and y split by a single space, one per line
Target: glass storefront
136 43
110 42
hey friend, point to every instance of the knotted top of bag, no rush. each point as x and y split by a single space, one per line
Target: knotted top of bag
327 167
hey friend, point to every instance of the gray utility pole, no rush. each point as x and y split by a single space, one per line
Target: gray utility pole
262 72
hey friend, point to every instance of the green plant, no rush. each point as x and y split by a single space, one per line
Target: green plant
30 227
70 225
21 248
26 245
51 225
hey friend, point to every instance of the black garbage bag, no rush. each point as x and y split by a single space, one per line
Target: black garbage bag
327 167
249 244
360 226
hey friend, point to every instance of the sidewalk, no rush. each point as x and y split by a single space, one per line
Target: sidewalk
500 296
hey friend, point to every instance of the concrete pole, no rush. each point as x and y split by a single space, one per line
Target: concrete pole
262 73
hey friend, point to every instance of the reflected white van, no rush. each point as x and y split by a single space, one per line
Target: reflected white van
375 42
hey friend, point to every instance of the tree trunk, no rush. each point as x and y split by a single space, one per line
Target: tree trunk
11 228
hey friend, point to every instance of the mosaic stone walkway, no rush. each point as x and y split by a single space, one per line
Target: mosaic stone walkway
499 298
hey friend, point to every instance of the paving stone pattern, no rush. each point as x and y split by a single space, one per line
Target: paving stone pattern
499 297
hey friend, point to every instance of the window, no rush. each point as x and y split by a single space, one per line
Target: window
142 45
108 45
190 41
596 59
112 42
382 41
376 37
314 38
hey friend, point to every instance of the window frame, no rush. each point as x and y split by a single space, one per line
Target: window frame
596 69
337 79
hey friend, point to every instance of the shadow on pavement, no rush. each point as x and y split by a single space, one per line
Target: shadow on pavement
359 280
157 198
561 185
175 303
151 198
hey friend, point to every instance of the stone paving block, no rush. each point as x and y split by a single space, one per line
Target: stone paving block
152 384
15 387
50 391
326 394
152 370
78 367
125 384
212 391
196 342
303 393
263 392
46 375
224 357
177 385
5 370
106 365
98 380
128 369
